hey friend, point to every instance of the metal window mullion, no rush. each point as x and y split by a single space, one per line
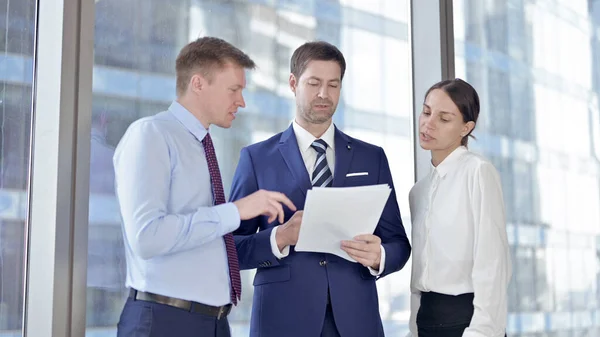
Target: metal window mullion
432 46
62 109
82 167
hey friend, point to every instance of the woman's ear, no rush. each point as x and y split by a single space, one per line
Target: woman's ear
469 126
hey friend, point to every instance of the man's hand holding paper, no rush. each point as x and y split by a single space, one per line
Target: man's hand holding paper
287 234
341 220
365 249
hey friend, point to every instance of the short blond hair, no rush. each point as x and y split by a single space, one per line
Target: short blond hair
205 55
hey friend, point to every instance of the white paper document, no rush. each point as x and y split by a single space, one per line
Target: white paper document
333 214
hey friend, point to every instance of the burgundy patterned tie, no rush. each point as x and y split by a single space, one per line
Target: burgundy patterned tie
219 195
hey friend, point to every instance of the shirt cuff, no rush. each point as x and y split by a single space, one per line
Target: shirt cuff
381 264
229 217
275 249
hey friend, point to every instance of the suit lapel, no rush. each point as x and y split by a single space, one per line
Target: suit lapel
343 157
288 146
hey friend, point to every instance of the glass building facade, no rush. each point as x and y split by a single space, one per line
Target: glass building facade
536 66
535 63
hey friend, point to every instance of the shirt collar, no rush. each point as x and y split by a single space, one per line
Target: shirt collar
449 162
305 138
188 120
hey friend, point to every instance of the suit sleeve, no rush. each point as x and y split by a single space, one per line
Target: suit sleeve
254 248
390 228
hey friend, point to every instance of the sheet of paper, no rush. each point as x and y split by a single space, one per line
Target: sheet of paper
333 214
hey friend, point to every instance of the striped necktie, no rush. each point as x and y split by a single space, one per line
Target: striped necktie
219 198
321 176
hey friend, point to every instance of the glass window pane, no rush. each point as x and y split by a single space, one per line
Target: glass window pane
17 20
136 43
536 67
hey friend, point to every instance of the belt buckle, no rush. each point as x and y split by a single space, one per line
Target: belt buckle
221 312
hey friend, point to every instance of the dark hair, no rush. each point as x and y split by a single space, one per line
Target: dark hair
465 97
316 50
205 55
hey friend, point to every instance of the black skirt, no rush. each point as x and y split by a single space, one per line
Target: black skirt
444 315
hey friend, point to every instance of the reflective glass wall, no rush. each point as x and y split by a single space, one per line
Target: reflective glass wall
136 43
17 32
536 65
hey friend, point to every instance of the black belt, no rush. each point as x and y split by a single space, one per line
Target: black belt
218 312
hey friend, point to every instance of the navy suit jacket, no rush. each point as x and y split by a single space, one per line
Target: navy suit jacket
290 295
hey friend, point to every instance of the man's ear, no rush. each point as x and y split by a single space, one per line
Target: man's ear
293 83
198 83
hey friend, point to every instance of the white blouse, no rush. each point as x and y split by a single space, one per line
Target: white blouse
459 240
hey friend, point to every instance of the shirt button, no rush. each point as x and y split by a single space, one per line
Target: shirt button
322 263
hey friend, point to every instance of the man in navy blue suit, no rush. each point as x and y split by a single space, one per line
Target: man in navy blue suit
305 294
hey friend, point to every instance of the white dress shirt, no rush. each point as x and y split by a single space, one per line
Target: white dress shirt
173 234
459 240
309 156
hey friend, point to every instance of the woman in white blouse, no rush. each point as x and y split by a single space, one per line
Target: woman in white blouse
461 264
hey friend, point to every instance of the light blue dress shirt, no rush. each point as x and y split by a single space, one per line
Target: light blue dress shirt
172 232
